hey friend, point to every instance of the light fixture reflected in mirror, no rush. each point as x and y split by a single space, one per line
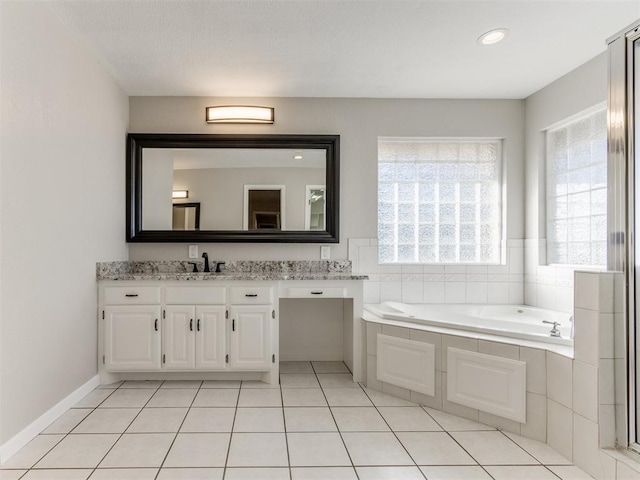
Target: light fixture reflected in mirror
180 194
239 114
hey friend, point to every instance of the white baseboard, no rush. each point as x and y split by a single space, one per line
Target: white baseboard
10 447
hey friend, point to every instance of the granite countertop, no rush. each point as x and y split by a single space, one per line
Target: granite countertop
232 270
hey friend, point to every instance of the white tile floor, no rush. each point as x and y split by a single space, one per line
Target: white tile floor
317 425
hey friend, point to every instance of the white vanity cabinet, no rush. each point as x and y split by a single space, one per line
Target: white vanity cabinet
252 314
194 336
132 338
160 327
188 328
251 337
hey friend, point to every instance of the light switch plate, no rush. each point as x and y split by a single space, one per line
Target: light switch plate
193 251
325 253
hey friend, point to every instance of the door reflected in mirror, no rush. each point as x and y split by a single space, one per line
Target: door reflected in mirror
315 213
264 207
186 216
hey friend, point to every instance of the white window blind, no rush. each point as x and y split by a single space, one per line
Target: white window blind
577 191
439 201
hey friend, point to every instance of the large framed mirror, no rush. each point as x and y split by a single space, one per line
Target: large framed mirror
247 188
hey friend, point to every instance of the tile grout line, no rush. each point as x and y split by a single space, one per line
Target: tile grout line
284 425
122 434
520 446
448 433
65 435
393 431
179 427
233 424
334 421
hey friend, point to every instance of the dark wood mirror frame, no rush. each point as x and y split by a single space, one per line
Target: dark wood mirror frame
136 142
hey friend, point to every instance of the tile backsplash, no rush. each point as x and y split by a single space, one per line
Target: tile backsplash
547 286
522 280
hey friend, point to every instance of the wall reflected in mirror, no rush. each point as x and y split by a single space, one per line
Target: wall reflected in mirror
235 188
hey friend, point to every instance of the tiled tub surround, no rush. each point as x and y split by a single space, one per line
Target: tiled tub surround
573 404
523 279
548 286
540 379
498 284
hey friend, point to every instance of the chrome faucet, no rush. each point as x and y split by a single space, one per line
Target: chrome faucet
555 332
206 262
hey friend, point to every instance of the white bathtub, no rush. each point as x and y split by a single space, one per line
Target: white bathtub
515 321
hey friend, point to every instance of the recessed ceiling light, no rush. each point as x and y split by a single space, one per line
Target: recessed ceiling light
297 157
493 36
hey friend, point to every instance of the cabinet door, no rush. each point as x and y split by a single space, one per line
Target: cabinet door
211 337
178 338
132 338
251 337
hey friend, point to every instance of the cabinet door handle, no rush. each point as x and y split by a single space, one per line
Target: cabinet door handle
191 325
130 294
250 294
233 325
316 293
198 325
155 325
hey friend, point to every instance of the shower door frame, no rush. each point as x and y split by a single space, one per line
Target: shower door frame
623 221
632 44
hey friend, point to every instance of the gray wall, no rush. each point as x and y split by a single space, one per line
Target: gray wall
580 89
545 285
62 193
359 122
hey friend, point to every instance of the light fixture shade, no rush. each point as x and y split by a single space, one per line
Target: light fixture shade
180 194
239 114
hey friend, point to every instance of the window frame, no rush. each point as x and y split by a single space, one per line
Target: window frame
545 204
501 177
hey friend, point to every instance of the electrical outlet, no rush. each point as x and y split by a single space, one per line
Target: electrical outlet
193 251
325 253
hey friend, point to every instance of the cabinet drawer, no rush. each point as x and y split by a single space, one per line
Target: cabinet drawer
195 295
316 292
251 295
131 295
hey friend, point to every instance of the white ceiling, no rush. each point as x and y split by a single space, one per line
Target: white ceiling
342 48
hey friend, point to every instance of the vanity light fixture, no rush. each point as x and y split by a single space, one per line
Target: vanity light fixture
493 36
239 114
180 194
